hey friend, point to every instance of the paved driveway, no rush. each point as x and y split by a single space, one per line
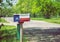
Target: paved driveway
37 31
33 23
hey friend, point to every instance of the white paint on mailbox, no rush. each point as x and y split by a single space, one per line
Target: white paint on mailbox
24 15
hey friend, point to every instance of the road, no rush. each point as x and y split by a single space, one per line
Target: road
36 31
34 23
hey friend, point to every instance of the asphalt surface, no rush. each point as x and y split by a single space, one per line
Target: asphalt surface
39 31
33 23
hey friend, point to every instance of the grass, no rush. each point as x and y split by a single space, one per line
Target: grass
10 32
6 27
3 20
52 20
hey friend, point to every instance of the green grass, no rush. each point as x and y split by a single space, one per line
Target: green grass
2 20
11 32
52 20
6 27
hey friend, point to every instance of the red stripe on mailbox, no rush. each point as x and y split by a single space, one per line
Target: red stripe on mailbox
24 19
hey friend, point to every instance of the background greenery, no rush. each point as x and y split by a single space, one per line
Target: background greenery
52 20
3 20
37 8
9 34
46 10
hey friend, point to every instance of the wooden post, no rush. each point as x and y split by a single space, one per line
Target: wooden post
21 32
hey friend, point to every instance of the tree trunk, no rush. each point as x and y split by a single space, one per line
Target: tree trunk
47 16
34 15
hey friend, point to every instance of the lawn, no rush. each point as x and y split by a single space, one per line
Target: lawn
9 34
2 20
52 20
6 27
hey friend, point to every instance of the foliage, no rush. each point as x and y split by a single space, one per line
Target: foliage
7 27
37 8
45 8
52 20
6 8
8 34
2 20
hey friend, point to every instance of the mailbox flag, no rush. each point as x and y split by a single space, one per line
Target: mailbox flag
16 18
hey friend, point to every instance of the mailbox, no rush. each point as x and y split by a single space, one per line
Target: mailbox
16 18
21 17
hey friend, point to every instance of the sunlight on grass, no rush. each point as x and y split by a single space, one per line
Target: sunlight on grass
10 34
52 20
7 27
2 20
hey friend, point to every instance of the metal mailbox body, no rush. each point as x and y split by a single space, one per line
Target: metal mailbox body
22 18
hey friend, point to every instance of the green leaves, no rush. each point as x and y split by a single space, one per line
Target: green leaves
48 7
6 8
38 7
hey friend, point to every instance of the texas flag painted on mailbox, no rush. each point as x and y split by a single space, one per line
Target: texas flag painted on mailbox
21 17
24 17
16 18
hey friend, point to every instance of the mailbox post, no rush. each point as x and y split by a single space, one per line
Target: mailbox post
21 32
18 31
21 19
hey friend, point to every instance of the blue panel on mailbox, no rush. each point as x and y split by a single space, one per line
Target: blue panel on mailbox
16 18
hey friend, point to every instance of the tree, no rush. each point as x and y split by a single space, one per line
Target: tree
46 8
6 7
